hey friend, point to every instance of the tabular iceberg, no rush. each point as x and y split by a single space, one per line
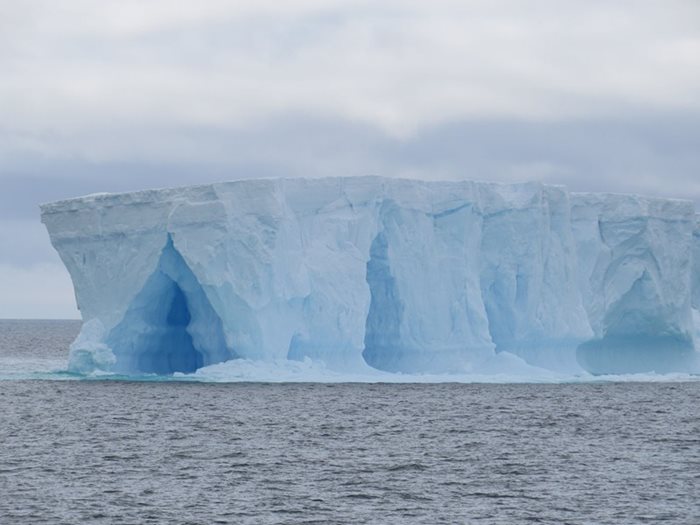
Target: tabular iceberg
397 275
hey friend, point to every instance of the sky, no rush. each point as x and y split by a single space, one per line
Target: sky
119 95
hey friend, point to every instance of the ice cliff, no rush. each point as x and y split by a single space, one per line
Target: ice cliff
398 275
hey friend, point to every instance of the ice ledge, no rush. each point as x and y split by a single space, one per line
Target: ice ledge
510 192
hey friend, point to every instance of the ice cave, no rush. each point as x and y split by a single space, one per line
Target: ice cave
169 326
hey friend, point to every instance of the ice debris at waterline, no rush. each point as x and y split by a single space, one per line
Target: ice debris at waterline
368 273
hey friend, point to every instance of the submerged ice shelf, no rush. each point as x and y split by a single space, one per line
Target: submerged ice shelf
369 273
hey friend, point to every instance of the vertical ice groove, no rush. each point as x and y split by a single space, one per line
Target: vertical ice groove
382 344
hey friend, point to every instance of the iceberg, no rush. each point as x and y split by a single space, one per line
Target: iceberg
376 274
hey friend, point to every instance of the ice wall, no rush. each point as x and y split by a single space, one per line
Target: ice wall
528 259
426 312
398 275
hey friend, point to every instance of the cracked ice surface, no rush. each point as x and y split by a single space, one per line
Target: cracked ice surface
370 273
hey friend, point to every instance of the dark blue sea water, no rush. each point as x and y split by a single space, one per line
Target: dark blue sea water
183 452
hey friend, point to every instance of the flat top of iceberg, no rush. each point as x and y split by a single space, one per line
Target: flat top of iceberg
515 194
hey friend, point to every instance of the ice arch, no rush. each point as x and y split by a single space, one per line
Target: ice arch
636 338
170 326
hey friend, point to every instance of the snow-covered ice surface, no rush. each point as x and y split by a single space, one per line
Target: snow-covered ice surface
374 279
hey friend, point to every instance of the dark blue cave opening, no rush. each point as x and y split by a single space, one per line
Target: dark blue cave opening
169 348
170 326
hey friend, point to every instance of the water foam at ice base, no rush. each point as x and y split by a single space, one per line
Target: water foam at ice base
504 368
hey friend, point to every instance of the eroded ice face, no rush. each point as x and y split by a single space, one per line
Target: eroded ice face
396 275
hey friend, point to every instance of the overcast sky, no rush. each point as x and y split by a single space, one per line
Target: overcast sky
117 95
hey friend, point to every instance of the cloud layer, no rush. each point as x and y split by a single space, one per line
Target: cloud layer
120 95
75 65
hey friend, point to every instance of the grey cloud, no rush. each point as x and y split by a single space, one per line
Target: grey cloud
401 67
655 154
25 243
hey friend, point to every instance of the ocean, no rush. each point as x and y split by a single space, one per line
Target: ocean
117 450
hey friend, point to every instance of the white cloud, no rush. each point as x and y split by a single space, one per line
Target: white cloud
76 66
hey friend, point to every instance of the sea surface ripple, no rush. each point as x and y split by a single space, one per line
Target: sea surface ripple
113 452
